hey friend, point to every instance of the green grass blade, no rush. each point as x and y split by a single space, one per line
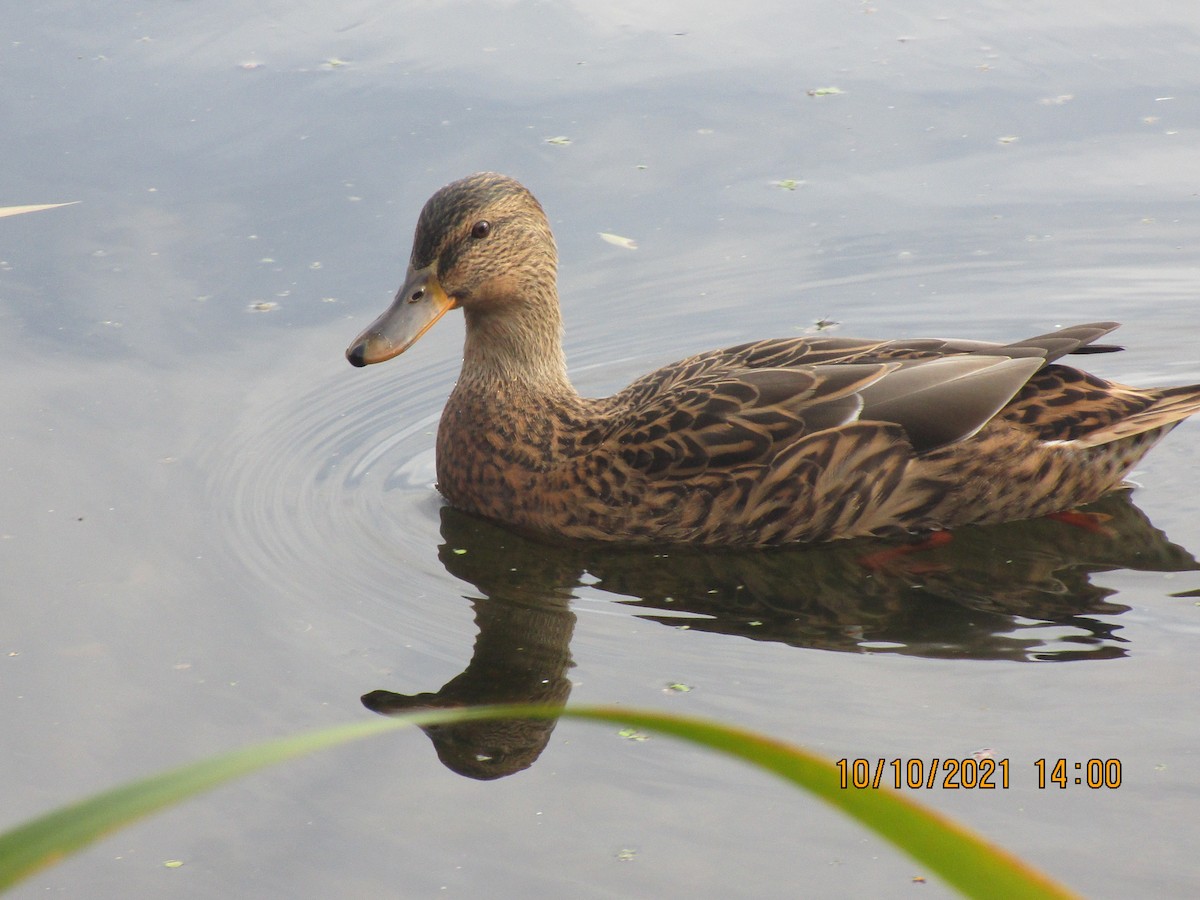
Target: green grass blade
47 839
963 859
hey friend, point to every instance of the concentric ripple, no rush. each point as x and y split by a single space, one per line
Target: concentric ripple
330 489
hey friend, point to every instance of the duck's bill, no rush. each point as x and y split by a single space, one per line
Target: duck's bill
418 304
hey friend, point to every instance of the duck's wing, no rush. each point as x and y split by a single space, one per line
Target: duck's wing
784 353
723 419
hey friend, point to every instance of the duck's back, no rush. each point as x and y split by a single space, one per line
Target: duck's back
808 440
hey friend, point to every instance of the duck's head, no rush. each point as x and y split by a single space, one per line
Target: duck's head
483 244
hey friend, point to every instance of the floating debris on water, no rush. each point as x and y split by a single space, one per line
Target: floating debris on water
617 240
822 325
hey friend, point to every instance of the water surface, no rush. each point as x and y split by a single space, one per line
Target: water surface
215 531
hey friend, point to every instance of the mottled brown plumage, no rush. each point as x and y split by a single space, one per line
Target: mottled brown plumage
772 442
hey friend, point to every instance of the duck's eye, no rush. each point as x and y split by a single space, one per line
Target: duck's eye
481 229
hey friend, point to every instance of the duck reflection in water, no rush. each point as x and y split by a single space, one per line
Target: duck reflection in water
522 653
1019 591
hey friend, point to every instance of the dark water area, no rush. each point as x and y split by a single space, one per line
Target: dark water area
214 531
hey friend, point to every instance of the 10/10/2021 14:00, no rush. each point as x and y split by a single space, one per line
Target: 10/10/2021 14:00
970 773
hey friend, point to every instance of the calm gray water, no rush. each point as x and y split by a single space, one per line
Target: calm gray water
214 531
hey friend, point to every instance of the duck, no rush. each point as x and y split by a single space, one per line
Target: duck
797 440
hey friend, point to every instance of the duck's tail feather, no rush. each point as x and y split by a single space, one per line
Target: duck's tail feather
1171 406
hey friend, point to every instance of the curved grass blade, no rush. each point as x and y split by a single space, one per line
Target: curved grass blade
45 840
963 859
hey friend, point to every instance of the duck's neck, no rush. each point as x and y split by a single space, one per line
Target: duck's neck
516 346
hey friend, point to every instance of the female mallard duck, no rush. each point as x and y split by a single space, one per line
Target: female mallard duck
772 442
